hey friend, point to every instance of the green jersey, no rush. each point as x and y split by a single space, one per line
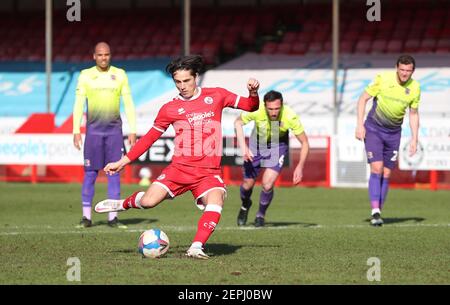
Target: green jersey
267 129
103 90
391 100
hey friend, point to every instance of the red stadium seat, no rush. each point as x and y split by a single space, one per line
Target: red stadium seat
378 46
363 46
411 46
443 43
427 46
304 37
283 48
315 47
289 37
394 46
346 47
299 48
269 47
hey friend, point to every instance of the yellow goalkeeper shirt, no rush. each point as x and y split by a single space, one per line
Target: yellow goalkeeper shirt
102 91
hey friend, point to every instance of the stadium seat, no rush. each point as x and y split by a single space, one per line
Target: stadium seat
299 48
378 46
411 46
394 46
289 37
315 47
363 46
283 48
427 46
443 43
346 47
269 47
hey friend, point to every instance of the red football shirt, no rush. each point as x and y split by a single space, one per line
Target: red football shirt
197 125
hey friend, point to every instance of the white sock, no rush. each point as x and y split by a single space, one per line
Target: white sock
112 215
197 244
374 211
87 210
137 201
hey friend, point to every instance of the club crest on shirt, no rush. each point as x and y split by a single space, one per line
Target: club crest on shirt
208 100
113 77
407 90
181 110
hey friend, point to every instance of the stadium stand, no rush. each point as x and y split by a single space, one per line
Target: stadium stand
420 26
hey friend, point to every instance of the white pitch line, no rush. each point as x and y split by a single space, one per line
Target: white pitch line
55 230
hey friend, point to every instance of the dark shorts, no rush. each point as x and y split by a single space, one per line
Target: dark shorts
99 150
382 146
272 158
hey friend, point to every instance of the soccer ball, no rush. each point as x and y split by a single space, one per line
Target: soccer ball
153 243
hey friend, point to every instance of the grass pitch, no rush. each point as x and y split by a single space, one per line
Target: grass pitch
312 236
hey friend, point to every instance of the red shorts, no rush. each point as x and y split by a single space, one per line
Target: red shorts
177 179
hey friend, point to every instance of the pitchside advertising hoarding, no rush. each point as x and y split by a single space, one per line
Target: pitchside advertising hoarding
433 151
47 149
40 149
432 154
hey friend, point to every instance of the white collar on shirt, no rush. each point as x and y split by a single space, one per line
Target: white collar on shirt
199 91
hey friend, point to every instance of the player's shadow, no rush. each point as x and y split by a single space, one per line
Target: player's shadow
179 251
286 224
281 224
400 219
129 221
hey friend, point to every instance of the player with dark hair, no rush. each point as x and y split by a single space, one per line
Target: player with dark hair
102 86
269 145
392 93
195 115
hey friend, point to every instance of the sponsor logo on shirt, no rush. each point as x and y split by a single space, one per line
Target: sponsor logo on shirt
161 177
87 162
200 118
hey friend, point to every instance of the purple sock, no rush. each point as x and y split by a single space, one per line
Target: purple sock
88 188
264 201
245 197
114 186
87 192
375 190
113 191
384 191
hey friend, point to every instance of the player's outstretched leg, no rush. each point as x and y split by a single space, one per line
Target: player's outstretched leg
113 205
109 205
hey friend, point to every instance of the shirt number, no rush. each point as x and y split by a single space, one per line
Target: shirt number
394 157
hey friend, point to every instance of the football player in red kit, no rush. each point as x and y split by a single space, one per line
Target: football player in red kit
195 115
